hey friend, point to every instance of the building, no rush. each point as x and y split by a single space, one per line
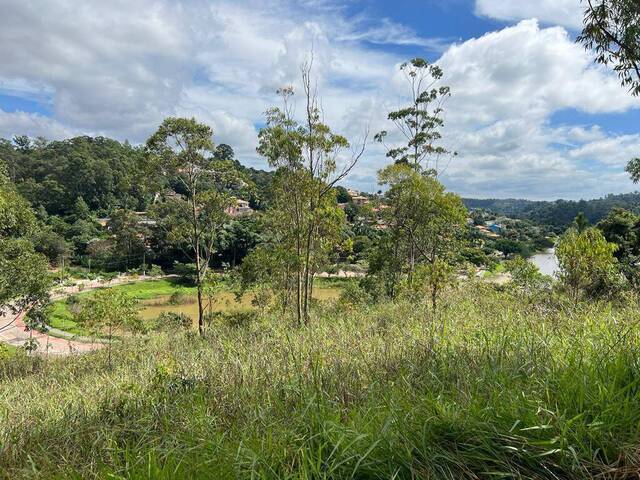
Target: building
360 200
239 209
496 228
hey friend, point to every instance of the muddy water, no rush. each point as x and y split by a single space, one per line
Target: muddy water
222 302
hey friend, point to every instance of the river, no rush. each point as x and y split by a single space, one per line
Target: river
546 262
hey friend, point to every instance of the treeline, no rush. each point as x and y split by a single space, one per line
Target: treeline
105 173
559 213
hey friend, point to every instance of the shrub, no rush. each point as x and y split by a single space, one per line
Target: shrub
178 298
172 321
156 271
353 294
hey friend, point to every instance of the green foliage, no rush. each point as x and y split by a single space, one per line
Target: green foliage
24 276
182 150
303 222
622 228
106 174
580 223
108 310
586 262
178 298
155 271
421 121
526 278
558 214
529 391
172 322
612 30
426 223
354 295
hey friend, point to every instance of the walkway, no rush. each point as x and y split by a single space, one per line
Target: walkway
13 331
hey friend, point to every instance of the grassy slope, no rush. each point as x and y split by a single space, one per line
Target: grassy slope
496 387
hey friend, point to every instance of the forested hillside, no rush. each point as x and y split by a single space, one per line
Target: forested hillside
558 213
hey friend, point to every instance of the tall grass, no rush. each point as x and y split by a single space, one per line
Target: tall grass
492 387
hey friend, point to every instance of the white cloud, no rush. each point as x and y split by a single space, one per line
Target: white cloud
615 151
17 123
118 69
567 13
506 85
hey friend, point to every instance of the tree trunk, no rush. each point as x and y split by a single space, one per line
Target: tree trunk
434 297
110 344
200 310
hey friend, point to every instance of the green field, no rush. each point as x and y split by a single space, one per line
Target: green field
496 385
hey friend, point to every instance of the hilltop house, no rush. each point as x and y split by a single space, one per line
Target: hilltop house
240 208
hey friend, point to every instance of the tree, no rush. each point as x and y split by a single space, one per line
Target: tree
109 310
129 236
342 196
182 149
586 262
526 278
24 276
303 212
580 223
420 122
622 227
426 223
432 277
612 30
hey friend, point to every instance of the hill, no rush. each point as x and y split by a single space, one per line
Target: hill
559 213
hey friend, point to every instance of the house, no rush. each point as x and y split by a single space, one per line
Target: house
496 228
239 209
103 221
143 219
352 193
486 231
381 208
380 225
360 200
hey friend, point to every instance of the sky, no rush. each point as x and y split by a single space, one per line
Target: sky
530 115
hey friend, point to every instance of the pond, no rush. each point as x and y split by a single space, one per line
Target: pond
546 262
225 301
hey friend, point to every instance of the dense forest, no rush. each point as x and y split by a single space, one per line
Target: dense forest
558 213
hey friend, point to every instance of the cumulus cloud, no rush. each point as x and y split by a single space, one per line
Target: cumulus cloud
117 68
567 13
506 85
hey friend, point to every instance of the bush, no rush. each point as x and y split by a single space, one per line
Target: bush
172 321
353 294
156 271
233 318
178 298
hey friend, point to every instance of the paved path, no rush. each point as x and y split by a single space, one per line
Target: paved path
13 331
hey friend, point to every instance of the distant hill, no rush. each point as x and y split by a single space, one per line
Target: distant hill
558 213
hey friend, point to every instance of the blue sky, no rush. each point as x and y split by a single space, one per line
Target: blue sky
530 114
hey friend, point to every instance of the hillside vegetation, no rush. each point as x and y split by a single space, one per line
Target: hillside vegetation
558 213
